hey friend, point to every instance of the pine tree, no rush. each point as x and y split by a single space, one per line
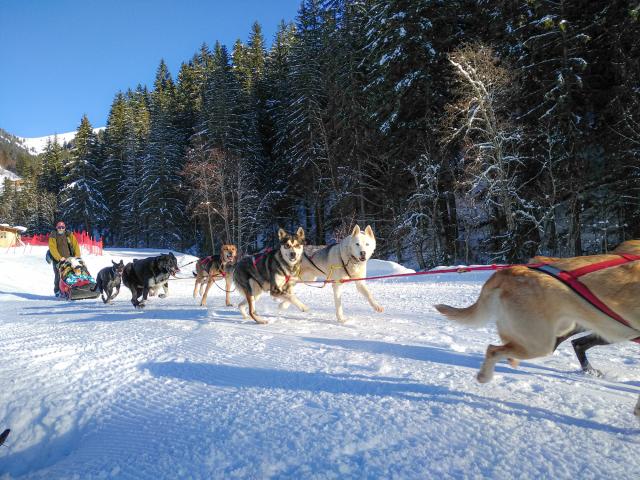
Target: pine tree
115 147
275 176
83 205
162 206
249 60
131 189
51 173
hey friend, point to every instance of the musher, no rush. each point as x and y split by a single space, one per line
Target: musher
62 245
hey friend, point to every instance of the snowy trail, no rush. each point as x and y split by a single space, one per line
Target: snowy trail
179 391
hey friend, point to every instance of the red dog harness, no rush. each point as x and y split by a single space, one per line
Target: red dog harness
572 279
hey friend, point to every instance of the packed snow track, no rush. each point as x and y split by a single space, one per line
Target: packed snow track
94 391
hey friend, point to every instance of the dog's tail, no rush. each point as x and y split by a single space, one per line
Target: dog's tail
478 314
467 316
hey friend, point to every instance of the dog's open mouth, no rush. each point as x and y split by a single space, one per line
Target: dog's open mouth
363 258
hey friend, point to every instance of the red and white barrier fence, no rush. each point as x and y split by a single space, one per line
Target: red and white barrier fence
87 243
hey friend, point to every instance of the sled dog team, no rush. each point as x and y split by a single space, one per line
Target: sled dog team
274 271
533 311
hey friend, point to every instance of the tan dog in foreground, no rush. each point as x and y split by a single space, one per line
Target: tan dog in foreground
216 267
532 309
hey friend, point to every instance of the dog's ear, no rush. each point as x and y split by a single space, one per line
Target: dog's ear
114 263
300 234
369 232
356 231
282 234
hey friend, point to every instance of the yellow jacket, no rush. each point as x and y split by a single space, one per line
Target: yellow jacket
73 245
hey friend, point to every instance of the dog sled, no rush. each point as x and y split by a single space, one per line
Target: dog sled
76 283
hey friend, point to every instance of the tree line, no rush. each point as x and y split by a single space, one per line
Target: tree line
460 130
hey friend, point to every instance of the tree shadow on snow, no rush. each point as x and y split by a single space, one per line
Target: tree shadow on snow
51 449
118 312
228 376
449 357
413 352
30 296
182 314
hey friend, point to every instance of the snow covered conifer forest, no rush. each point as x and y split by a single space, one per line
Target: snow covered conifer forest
461 130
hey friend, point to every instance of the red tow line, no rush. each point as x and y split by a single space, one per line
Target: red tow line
428 272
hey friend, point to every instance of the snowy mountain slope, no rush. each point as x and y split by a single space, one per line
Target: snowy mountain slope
4 173
36 145
180 391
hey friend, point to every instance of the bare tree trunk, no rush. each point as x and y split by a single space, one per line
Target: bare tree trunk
575 239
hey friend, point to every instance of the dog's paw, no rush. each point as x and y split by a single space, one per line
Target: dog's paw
304 308
594 372
378 308
162 295
283 306
483 377
229 304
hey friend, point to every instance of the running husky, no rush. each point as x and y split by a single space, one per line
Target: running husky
533 309
274 271
341 261
208 268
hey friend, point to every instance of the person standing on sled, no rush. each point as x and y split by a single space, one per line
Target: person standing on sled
62 244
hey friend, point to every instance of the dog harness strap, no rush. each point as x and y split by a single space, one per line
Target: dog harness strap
344 266
205 260
259 256
594 267
313 263
569 278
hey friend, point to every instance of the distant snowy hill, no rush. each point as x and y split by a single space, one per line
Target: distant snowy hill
36 145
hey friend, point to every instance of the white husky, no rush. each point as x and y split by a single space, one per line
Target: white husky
341 261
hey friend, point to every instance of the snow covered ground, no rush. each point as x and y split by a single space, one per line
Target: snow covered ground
179 391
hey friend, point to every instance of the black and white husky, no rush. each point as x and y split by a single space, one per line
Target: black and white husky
275 271
341 261
108 279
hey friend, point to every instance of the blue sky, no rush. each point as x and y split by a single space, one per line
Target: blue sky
60 59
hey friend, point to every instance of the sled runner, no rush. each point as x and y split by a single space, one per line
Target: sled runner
76 283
